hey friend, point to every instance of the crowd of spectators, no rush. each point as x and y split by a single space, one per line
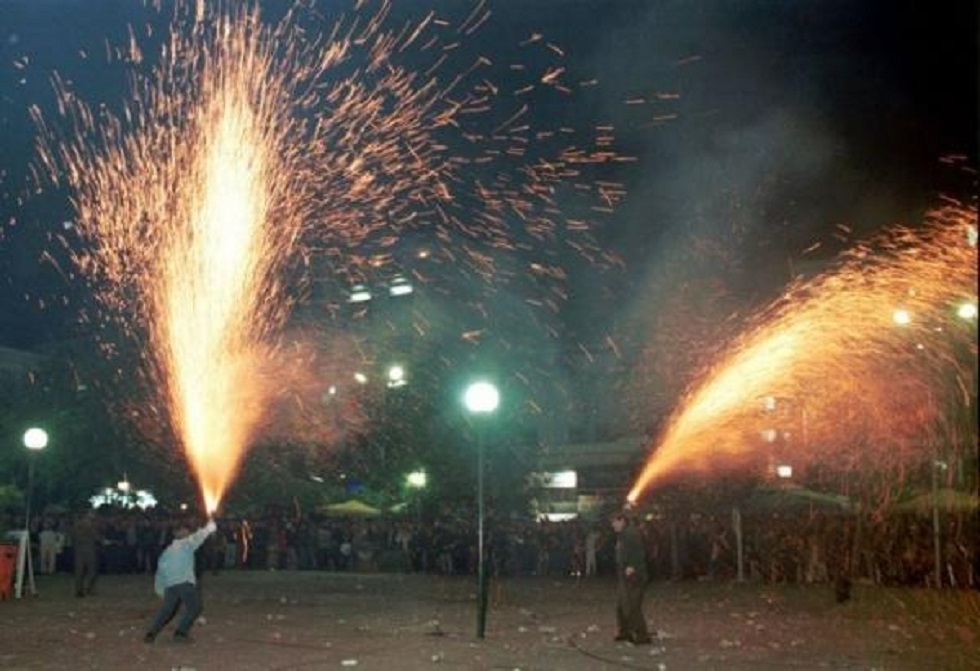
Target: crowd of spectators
810 547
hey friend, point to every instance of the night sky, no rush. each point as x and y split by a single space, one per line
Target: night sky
788 120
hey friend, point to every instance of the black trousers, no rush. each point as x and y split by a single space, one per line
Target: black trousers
185 593
86 571
629 609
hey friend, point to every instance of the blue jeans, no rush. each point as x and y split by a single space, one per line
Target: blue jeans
185 593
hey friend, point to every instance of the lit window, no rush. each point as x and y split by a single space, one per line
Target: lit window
359 294
400 287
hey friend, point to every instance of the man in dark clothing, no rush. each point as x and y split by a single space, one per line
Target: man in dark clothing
631 573
85 540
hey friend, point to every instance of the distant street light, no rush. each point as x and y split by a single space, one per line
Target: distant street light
396 377
35 440
481 398
417 479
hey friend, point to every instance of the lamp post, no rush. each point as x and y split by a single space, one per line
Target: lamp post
481 398
35 440
937 465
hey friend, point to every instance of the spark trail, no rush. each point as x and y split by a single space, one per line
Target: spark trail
247 144
862 387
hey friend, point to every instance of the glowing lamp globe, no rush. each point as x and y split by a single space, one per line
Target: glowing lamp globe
481 397
35 439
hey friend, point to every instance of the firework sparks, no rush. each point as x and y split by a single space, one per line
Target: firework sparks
177 207
863 384
250 144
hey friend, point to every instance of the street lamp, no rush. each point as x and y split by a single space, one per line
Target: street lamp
417 479
35 440
481 398
396 377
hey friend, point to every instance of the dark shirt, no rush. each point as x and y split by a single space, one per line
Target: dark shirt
630 552
85 536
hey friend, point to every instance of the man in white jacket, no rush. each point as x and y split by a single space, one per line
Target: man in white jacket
176 583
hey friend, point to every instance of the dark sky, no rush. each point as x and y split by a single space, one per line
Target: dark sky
791 118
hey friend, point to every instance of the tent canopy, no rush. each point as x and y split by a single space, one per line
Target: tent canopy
945 499
350 507
795 497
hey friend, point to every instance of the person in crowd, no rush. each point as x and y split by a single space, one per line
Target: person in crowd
176 582
85 539
51 542
591 548
631 572
719 550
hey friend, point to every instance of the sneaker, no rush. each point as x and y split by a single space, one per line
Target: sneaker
149 637
181 637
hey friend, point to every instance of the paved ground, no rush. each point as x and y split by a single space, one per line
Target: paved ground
291 620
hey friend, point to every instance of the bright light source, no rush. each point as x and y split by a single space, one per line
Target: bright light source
481 397
396 376
902 317
400 287
141 499
967 311
417 479
35 439
560 480
123 485
557 517
332 390
359 294
784 471
360 378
